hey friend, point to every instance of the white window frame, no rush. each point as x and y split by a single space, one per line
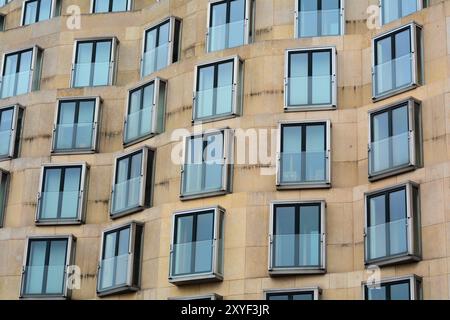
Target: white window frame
414 219
95 128
132 251
35 68
415 139
82 198
55 11
4 179
216 274
297 17
144 198
228 168
249 25
273 271
238 89
421 4
112 63
16 130
333 77
130 6
417 63
156 102
415 285
70 260
316 291
295 186
172 39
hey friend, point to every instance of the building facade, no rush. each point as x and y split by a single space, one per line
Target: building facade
235 149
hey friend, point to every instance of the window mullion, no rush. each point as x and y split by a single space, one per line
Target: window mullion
194 241
46 266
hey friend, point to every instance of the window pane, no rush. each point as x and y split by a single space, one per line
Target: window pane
299 81
331 17
121 272
303 296
381 142
384 68
376 293
102 63
45 10
101 5
291 159
83 64
377 227
119 5
236 27
308 18
56 267
321 78
23 77
64 137
400 291
183 245
51 193
213 162
203 247
278 297
71 191
309 236
224 88
6 117
35 267
403 70
398 219
30 12
205 94
108 263
315 153
85 125
400 141
284 237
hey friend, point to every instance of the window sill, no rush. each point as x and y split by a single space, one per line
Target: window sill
389 261
297 186
296 271
203 195
214 119
43 297
395 92
392 172
310 108
117 290
5 158
127 212
201 278
59 222
72 152
140 139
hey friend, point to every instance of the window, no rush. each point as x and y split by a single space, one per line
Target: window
76 125
61 198
120 263
145 111
230 24
294 294
39 10
218 90
392 233
405 288
207 169
310 81
297 238
133 182
21 72
4 185
397 61
4 2
162 46
395 139
196 251
395 9
304 155
94 62
2 22
207 297
99 6
315 18
11 122
45 270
